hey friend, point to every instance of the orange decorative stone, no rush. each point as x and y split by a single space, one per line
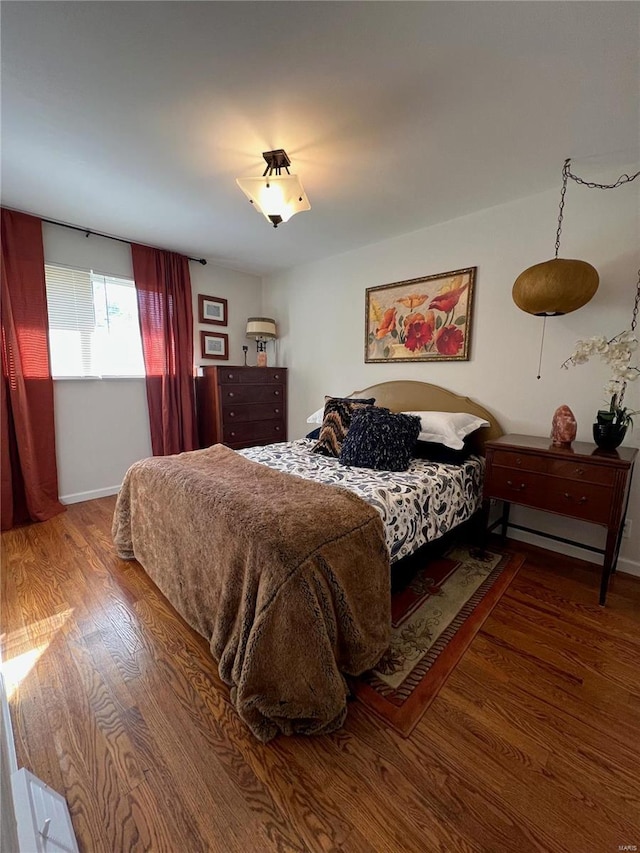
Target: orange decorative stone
563 427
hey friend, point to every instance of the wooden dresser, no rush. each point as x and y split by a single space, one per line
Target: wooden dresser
242 406
580 481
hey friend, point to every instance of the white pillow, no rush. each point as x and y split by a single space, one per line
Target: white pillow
316 417
448 428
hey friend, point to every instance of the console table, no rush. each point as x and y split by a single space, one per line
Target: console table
581 482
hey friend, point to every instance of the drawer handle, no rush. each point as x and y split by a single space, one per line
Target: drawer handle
230 394
276 376
232 414
233 433
581 500
277 429
277 393
579 471
518 461
517 488
230 376
276 411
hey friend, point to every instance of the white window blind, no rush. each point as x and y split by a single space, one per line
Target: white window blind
93 324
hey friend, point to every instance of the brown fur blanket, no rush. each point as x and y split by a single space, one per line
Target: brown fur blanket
287 579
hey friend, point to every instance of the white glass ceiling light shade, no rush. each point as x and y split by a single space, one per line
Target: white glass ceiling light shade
278 197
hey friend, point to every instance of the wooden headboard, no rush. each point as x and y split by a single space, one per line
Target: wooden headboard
411 396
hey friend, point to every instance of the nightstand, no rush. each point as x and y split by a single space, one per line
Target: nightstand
581 482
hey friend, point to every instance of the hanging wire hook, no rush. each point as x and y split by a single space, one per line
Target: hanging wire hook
634 323
563 192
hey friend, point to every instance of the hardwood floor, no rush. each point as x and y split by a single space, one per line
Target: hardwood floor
532 744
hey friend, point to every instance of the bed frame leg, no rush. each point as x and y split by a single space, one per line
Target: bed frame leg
480 522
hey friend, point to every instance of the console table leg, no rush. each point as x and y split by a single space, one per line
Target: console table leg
610 555
506 509
604 585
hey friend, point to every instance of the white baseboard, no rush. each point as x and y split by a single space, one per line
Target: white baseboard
89 496
629 567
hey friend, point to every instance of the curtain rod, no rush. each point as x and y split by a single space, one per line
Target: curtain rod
88 232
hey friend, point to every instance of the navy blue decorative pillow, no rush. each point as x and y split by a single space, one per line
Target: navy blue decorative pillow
379 439
435 452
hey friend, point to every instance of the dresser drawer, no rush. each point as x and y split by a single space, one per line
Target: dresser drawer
266 431
243 412
526 487
585 472
231 395
519 461
251 375
588 501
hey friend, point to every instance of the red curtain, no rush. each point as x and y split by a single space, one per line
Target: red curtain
163 286
29 474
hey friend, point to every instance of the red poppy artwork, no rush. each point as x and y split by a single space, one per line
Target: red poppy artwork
421 319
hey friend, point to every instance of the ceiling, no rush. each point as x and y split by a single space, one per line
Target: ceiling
135 118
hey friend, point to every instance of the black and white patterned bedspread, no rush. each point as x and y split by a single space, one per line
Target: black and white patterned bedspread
417 505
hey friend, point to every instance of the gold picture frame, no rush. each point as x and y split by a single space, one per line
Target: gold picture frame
420 319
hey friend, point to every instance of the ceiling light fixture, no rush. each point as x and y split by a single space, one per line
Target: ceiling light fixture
561 285
278 197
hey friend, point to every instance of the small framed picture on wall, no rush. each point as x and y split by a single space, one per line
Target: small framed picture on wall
212 309
214 345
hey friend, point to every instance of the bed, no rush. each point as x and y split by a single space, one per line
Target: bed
282 560
416 506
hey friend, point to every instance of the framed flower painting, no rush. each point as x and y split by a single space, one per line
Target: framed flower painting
421 319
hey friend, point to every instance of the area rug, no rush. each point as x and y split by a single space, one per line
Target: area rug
434 619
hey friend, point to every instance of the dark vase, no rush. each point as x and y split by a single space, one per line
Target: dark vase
609 436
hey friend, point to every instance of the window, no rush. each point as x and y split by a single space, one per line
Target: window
93 324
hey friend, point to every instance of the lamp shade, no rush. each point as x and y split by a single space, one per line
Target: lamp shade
555 287
261 328
277 197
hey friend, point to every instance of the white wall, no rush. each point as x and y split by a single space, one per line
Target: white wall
102 425
320 311
244 299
